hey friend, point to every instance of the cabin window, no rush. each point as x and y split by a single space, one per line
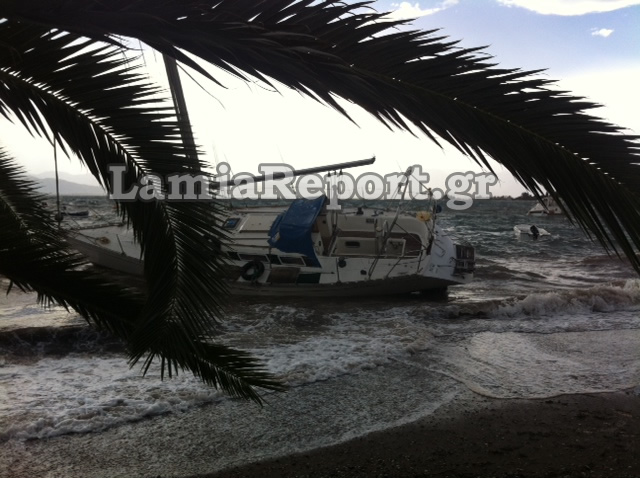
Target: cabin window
395 247
231 223
352 244
292 260
273 259
253 257
308 262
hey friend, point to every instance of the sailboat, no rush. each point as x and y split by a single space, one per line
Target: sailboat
311 249
546 207
308 249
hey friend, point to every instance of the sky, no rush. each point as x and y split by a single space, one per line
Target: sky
592 47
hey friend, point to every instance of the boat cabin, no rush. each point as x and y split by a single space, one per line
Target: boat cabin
308 228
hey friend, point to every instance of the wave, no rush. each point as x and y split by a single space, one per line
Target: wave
77 380
81 394
34 343
622 295
497 272
259 322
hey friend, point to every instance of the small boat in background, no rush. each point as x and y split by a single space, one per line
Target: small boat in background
76 213
548 207
531 230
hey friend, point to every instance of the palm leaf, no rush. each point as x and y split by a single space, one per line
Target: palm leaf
407 79
34 256
55 84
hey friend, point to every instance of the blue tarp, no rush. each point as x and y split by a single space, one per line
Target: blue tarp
291 231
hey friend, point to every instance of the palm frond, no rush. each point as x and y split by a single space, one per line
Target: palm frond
35 257
548 139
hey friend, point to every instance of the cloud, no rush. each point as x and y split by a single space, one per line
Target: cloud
408 11
602 32
570 7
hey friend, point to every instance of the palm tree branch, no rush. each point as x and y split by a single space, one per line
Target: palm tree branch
45 86
408 79
35 257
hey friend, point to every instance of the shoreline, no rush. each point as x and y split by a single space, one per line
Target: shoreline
590 435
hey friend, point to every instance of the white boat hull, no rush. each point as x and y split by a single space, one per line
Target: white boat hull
103 257
531 231
370 288
351 262
548 207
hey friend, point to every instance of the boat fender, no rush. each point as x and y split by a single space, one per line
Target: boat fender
252 270
342 262
423 216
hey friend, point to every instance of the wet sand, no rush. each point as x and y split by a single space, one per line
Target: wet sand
567 436
590 435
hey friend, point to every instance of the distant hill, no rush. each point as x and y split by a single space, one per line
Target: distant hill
69 188
80 178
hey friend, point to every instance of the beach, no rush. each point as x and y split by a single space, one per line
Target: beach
592 435
595 435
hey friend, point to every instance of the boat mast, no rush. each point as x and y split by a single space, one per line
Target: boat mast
291 174
180 105
58 215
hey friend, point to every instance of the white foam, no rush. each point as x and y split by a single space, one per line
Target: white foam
515 348
601 298
77 394
351 343
528 365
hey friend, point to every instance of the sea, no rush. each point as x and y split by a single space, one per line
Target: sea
544 317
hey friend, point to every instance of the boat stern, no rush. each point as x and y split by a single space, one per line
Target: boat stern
449 262
465 261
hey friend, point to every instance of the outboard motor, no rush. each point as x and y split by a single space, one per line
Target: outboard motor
534 232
